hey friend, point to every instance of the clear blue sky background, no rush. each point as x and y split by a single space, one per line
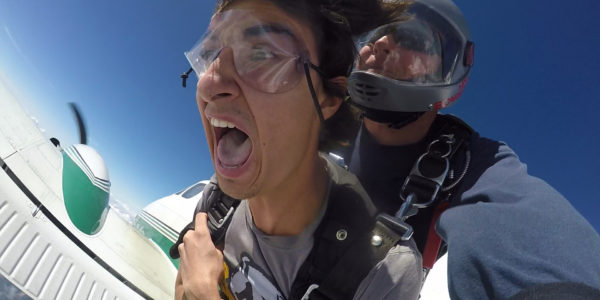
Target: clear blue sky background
534 85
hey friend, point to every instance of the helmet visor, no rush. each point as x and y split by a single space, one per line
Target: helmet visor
411 51
267 55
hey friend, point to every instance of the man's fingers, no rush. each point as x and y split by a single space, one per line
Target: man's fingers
201 217
199 233
181 248
220 254
201 220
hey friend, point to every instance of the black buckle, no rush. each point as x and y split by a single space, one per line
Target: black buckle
219 216
429 172
422 185
397 225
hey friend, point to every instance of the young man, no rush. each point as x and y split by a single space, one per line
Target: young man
267 81
505 230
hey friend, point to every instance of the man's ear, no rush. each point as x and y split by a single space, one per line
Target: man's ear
331 104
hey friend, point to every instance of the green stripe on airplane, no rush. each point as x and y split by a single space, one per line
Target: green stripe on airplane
159 226
159 239
86 204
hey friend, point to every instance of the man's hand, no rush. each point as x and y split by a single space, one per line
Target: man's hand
201 264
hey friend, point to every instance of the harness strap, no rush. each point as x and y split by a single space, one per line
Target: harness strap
462 133
343 253
429 181
219 208
434 241
345 277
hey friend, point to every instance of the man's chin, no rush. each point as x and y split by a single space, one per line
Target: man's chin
235 189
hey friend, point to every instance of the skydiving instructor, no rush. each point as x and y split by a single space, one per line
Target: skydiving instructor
507 233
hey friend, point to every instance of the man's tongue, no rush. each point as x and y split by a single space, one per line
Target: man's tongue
234 148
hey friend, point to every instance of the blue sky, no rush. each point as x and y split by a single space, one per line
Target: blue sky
533 86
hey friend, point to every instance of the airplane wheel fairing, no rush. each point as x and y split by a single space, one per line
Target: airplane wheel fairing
85 188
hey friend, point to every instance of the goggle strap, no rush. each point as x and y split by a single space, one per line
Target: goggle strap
316 68
185 76
312 89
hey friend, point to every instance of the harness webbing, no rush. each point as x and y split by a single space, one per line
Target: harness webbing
343 253
434 241
430 182
219 208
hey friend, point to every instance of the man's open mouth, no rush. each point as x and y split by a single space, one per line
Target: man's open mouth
233 145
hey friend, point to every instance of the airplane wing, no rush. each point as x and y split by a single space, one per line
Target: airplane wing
43 250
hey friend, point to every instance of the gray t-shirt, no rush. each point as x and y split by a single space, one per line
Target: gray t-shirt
261 266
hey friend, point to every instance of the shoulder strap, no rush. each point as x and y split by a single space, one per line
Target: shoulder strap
218 206
332 270
461 132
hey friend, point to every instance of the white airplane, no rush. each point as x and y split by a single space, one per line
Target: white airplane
59 239
163 219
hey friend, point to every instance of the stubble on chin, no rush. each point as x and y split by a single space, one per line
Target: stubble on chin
231 188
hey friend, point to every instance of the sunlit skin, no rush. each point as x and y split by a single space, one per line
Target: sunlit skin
283 128
387 57
201 264
283 180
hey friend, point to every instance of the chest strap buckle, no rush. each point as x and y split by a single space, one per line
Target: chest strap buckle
429 172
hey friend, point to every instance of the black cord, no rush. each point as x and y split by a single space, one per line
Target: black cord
185 76
313 93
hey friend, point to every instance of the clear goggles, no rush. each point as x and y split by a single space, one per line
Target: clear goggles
267 55
410 51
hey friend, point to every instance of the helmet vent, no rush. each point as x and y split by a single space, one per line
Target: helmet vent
366 90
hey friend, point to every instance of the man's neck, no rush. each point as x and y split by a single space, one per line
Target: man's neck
293 205
409 134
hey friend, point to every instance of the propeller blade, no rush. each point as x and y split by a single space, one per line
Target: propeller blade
80 123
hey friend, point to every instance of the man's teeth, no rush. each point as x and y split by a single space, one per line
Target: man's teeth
220 123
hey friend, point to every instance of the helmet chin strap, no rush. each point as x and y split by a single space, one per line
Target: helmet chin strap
400 124
394 119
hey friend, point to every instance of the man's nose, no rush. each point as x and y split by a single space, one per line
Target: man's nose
220 79
382 47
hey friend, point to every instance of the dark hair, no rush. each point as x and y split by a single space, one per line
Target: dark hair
335 23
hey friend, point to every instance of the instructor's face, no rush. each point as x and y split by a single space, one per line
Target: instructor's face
389 58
